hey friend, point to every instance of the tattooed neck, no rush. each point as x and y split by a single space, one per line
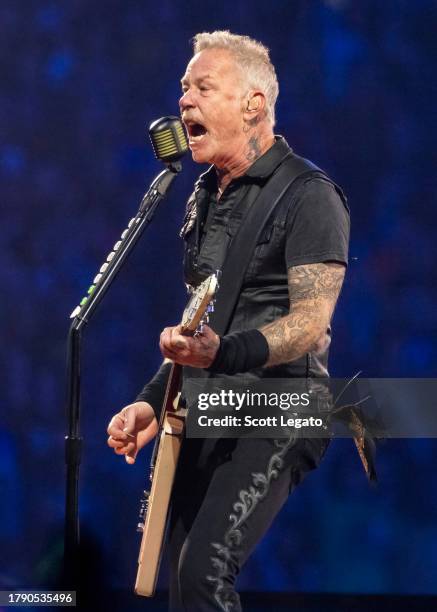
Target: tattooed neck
254 149
259 140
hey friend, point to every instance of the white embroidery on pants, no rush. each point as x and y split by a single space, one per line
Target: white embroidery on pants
249 498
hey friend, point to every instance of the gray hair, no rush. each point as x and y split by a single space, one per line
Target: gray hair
251 56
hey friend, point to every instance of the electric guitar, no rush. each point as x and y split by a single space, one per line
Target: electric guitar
155 505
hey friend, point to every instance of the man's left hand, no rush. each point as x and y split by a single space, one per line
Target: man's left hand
197 351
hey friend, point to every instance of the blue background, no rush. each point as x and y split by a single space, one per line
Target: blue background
80 83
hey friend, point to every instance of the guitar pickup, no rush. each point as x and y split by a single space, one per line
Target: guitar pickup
174 422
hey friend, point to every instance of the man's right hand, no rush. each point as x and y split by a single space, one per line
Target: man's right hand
131 429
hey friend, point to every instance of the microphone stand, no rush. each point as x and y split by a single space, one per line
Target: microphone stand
81 316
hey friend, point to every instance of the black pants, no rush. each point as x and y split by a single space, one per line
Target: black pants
227 493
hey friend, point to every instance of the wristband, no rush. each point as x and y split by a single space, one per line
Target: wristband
240 352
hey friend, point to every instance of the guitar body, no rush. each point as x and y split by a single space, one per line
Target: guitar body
159 500
166 452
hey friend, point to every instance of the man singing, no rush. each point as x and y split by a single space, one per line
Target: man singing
228 491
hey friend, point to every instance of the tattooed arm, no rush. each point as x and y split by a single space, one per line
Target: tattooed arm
313 290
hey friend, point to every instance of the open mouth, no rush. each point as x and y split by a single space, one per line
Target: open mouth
196 131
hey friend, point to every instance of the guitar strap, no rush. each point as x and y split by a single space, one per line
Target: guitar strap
243 245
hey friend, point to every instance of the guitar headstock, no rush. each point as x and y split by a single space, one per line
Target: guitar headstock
200 305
